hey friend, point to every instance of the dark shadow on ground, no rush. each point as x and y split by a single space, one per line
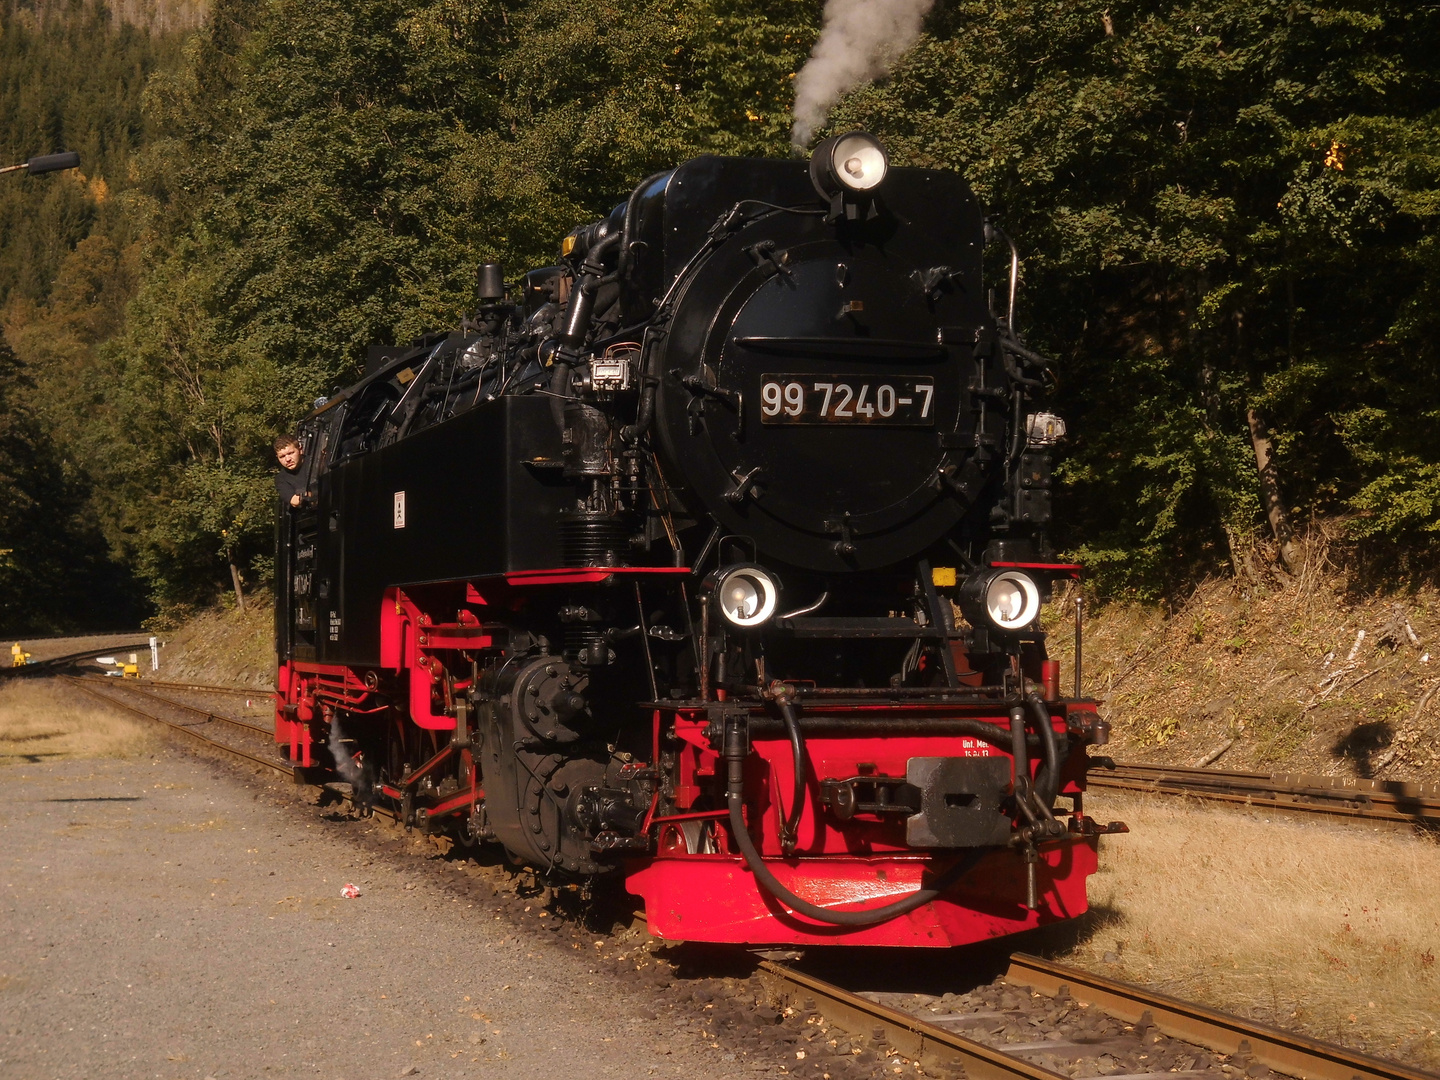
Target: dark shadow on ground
947 971
1362 742
915 971
102 798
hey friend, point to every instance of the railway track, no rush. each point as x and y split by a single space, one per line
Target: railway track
204 722
1400 802
197 729
51 664
1043 1021
207 688
1391 801
1051 1022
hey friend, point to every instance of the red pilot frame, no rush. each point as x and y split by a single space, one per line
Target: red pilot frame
850 845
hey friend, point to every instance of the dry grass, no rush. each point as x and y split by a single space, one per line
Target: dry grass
1267 661
1329 929
45 721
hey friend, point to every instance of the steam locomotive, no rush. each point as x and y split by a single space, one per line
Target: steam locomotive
713 556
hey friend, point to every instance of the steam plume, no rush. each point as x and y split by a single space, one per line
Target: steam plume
859 41
345 764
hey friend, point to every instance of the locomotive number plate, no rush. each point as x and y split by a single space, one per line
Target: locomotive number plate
904 401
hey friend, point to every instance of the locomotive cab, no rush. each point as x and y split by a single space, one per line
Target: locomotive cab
713 555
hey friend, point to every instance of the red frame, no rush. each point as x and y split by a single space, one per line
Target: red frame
714 897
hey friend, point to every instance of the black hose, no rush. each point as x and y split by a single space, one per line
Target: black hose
645 412
1018 426
790 830
1047 781
559 391
735 751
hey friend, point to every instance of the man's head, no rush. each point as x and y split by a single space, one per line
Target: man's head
287 452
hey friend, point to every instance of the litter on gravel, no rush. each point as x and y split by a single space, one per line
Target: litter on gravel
350 892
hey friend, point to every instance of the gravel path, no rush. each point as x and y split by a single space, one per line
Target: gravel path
169 917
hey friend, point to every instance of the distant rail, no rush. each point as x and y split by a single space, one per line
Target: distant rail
1396 801
42 667
207 688
205 721
92 687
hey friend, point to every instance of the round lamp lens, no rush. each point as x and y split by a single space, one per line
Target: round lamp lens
743 601
747 596
861 162
1012 601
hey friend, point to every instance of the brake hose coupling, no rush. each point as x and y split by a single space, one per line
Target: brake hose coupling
781 693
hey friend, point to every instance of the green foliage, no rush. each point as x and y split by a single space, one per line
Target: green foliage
1224 205
71 77
330 174
53 568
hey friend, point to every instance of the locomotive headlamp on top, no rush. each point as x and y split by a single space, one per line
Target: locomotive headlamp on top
746 595
1004 600
846 170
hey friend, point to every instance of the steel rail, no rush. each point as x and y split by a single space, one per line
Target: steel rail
218 717
292 771
890 1029
295 772
206 688
36 667
1359 799
1284 1051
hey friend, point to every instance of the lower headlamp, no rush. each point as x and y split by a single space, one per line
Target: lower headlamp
746 595
1004 600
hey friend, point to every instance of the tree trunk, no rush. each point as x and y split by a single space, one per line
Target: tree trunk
235 580
1270 493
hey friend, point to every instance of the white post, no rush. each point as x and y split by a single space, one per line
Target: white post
154 654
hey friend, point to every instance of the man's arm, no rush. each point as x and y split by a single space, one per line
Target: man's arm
290 487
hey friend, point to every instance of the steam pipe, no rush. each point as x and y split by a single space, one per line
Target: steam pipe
627 230
808 608
994 734
735 751
705 551
645 412
577 322
1014 276
1012 346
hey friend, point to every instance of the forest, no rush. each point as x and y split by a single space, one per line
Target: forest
1229 212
